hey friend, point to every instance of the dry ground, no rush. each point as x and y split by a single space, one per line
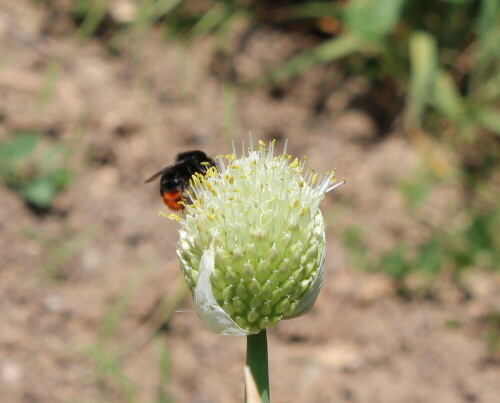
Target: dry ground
126 117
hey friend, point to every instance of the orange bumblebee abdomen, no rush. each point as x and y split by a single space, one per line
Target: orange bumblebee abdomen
172 199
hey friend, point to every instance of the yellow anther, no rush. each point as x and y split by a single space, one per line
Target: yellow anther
212 172
172 216
295 163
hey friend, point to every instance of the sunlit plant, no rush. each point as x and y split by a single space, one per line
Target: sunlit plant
252 245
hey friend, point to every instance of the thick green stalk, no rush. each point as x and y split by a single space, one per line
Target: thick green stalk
257 363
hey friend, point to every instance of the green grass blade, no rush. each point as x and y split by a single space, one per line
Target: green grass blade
163 361
114 316
326 52
446 97
215 16
423 59
52 72
108 367
372 19
161 8
490 119
312 9
490 88
488 35
94 12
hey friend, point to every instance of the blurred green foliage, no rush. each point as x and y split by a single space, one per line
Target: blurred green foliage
179 18
59 250
109 354
442 53
475 244
37 169
440 56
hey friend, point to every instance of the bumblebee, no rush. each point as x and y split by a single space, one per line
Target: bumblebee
175 178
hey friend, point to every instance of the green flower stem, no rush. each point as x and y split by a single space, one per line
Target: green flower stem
257 362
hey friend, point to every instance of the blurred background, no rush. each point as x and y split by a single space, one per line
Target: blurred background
402 96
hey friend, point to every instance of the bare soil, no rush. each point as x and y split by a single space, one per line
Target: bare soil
127 116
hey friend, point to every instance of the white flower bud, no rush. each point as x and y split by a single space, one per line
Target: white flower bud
252 243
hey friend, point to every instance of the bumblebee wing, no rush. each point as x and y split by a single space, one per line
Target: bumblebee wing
155 176
160 173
